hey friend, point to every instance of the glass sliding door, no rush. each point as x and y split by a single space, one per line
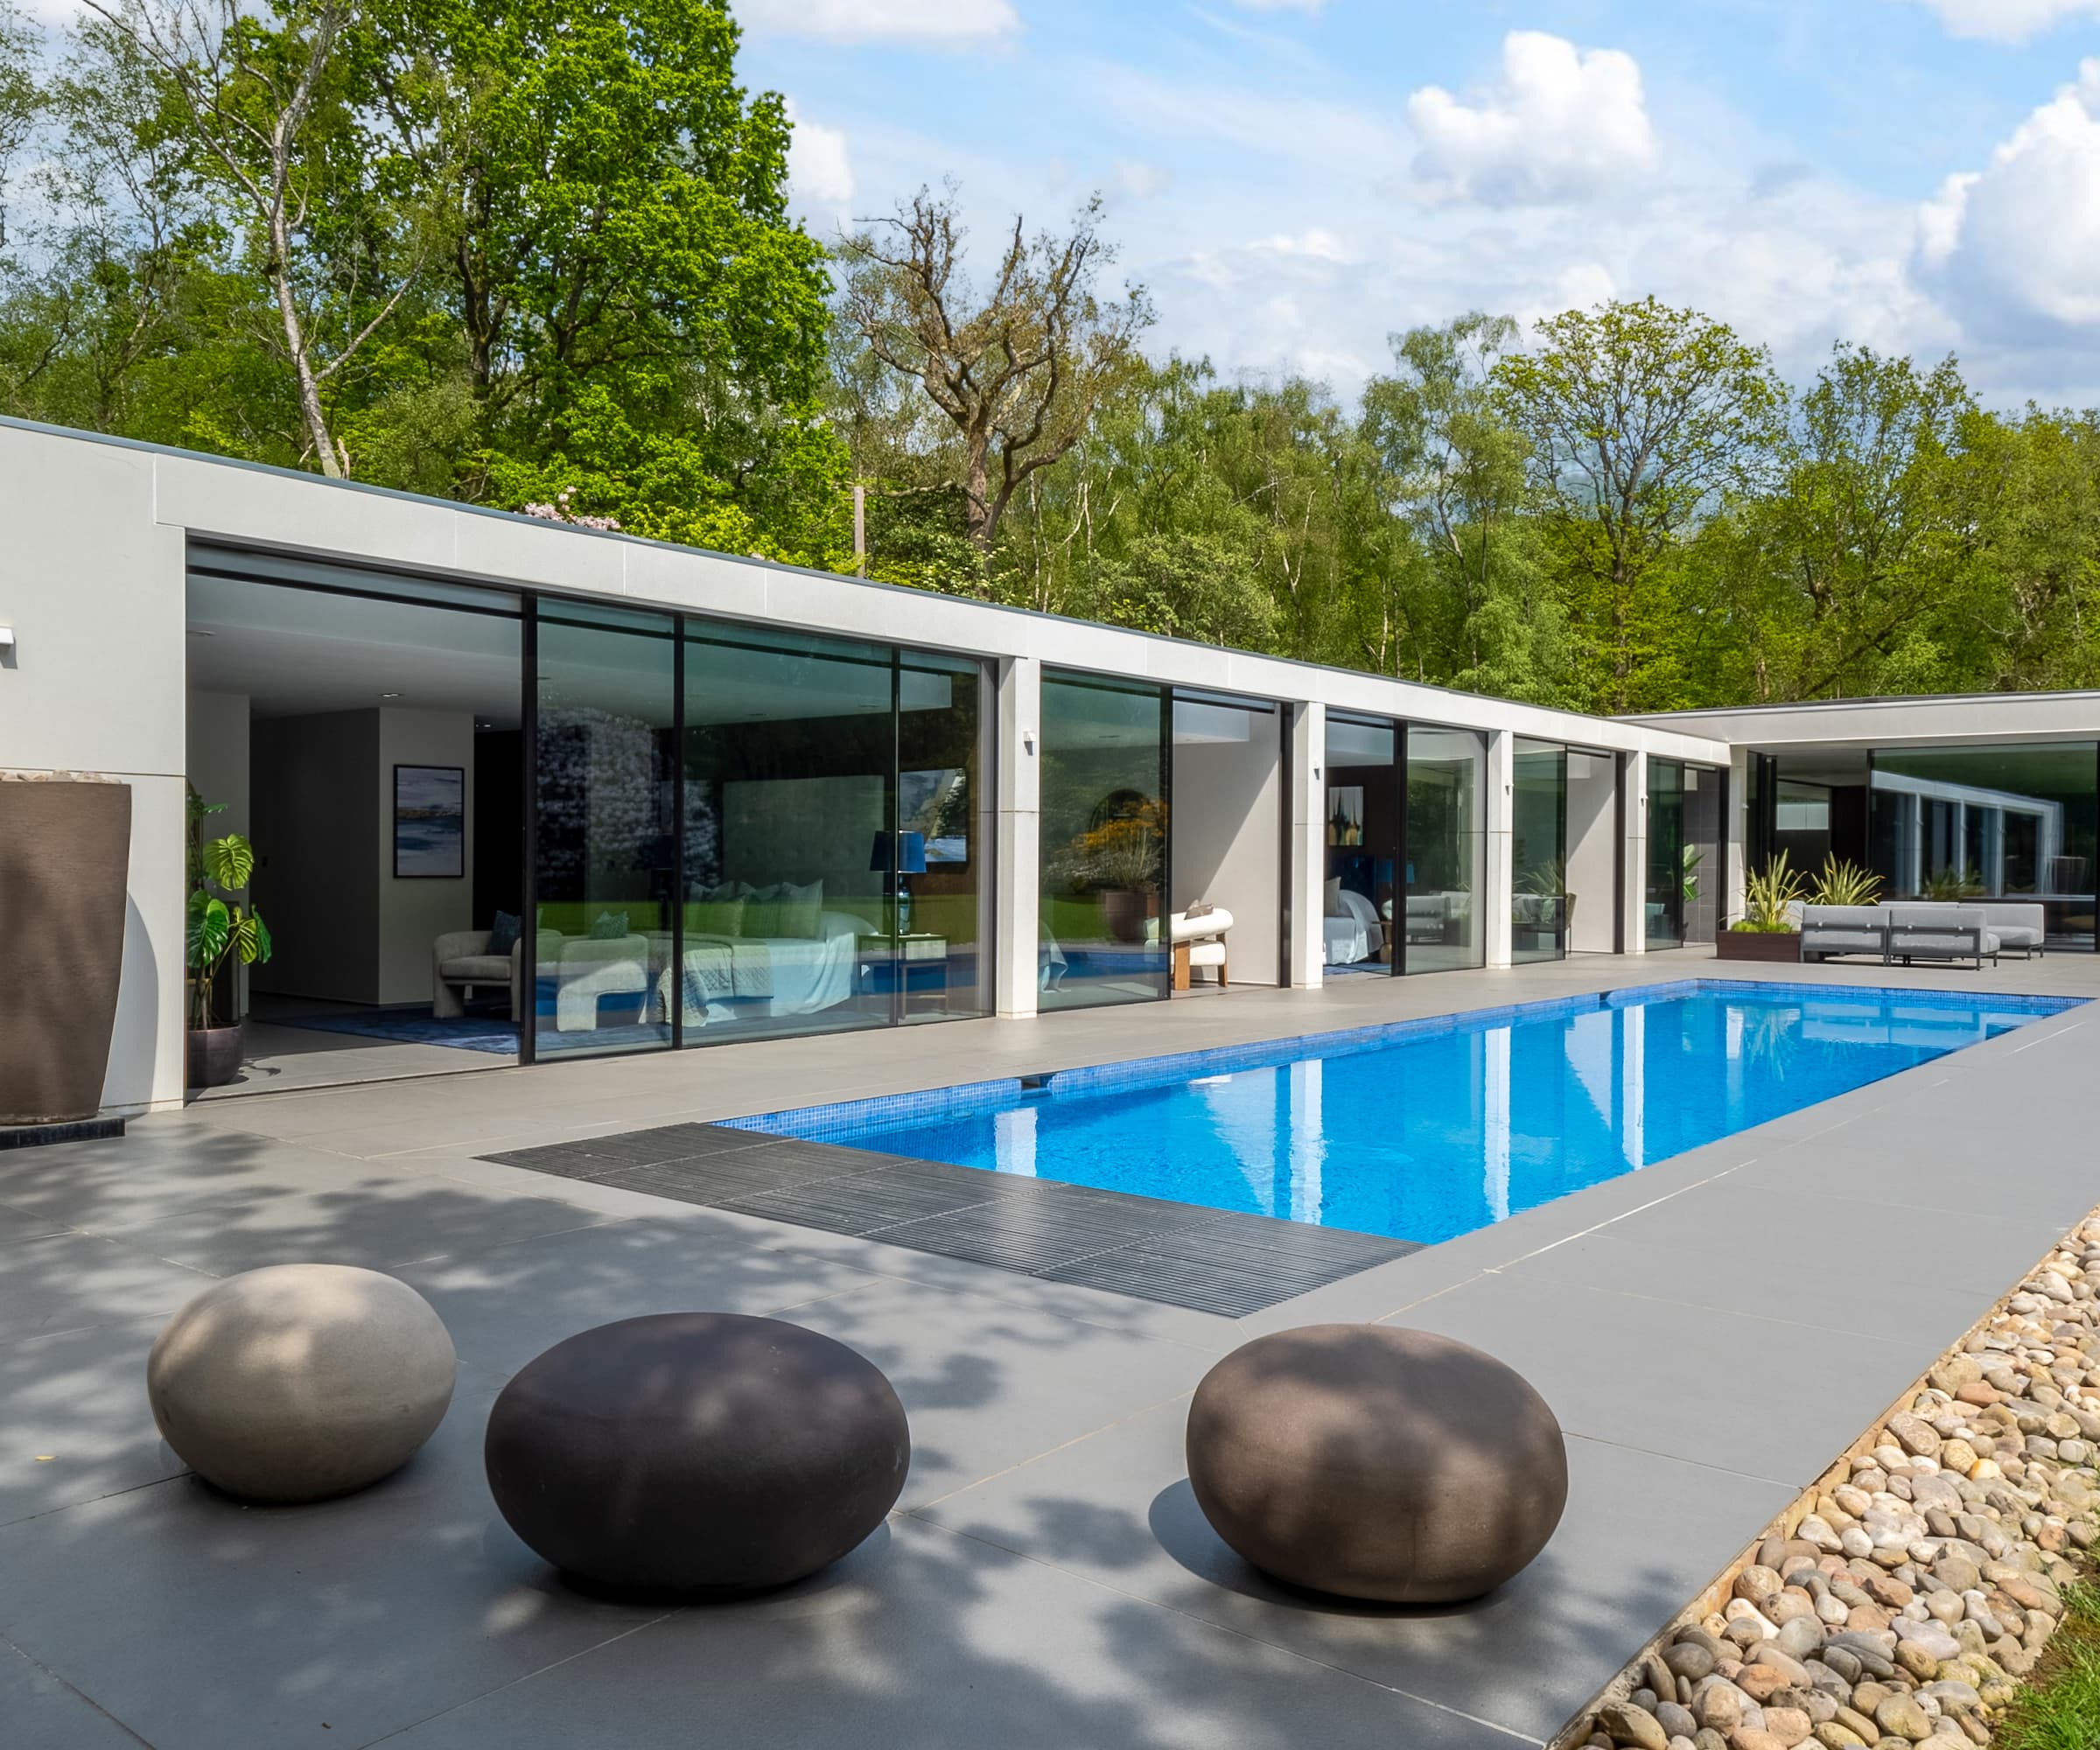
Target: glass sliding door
1363 810
605 829
1538 817
790 754
1683 853
1445 839
941 953
2018 822
1107 750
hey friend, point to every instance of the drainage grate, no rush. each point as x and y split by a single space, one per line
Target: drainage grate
1209 1260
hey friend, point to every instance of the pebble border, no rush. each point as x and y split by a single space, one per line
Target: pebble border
1897 1600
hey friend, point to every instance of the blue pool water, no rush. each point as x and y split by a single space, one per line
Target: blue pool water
1426 1130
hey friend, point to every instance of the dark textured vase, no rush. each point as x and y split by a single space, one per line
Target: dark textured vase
1126 911
214 1055
65 855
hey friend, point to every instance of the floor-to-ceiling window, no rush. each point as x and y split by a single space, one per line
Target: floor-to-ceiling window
1362 806
2012 822
1446 842
945 824
1538 813
605 827
1683 853
1106 763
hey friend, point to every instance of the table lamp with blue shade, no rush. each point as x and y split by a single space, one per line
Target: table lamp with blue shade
911 860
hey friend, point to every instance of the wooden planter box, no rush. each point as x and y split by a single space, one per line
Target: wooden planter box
1783 948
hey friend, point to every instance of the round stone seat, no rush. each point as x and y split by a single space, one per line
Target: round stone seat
696 1452
1376 1462
300 1381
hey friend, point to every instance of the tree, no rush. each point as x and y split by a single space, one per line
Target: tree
20 96
1641 420
1455 470
1017 377
267 120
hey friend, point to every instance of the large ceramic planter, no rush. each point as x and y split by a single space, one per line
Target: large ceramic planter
65 855
214 1055
1126 911
1768 945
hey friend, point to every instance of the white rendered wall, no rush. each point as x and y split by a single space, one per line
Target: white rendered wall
1592 853
92 587
1635 919
1017 865
1308 843
1226 844
1499 885
414 913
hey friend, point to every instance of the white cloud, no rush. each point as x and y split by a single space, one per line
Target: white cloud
866 21
2007 21
1139 178
1315 244
2010 247
819 171
1561 123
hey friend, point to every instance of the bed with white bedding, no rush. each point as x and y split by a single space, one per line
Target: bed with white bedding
740 978
1355 933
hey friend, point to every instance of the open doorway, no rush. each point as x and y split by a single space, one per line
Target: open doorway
363 731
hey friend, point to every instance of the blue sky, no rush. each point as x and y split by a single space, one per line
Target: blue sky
1293 178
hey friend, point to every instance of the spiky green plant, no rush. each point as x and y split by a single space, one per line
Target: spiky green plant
1844 884
1953 883
1693 858
223 923
1766 896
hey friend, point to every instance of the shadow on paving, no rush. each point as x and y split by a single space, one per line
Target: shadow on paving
410 1614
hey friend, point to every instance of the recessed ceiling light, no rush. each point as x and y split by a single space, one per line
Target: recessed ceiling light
390 695
199 632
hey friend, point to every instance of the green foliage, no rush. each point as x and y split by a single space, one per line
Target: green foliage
1767 894
1952 883
1689 874
2058 1707
219 926
1844 884
530 254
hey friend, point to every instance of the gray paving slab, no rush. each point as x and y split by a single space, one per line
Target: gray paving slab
22 1224
70 1281
1706 1387
1641 1534
41 1711
76 1425
942 1642
507 1304
988 1384
203 1624
376 1220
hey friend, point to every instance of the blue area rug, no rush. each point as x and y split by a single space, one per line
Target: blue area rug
419 1026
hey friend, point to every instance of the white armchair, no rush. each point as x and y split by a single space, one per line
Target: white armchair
1198 942
585 967
459 960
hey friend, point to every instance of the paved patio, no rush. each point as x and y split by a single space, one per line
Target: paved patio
1045 1579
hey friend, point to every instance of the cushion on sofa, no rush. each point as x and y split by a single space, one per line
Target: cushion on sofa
477 969
504 932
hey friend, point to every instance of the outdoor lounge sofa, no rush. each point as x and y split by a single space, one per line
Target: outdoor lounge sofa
1923 929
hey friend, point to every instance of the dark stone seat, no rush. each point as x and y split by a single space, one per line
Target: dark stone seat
1376 1462
692 1452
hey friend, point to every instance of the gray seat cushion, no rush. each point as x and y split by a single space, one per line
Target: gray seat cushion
477 969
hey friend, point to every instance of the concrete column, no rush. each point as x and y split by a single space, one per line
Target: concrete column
1735 837
1017 866
1308 841
1636 921
1498 878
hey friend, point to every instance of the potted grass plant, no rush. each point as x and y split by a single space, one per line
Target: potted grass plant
1844 884
223 930
1767 930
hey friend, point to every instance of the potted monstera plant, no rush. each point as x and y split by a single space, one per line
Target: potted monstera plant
224 931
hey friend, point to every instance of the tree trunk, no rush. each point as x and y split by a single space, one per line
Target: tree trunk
295 343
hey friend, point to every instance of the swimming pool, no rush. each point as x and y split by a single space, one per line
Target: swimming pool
1425 1130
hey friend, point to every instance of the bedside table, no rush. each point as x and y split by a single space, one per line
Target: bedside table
922 971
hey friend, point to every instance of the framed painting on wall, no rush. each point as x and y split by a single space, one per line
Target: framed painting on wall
430 822
1345 813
